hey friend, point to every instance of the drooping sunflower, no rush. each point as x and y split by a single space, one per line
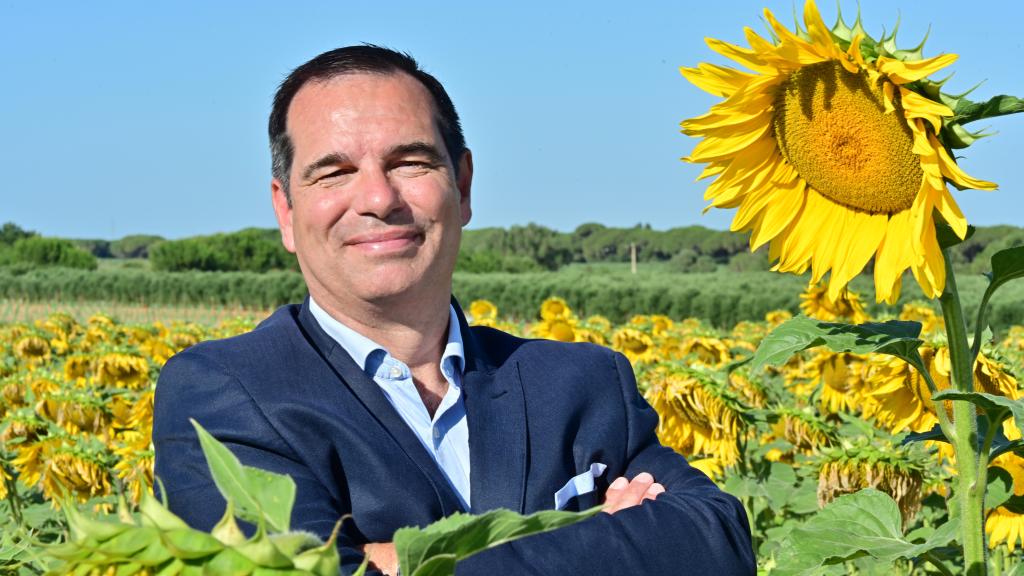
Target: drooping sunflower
834 151
816 303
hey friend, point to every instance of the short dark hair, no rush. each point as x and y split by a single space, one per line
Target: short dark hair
366 58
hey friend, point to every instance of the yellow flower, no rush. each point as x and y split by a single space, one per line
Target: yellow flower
556 328
925 314
553 308
482 310
776 317
708 351
636 345
1005 524
841 378
122 370
892 469
817 304
32 349
830 154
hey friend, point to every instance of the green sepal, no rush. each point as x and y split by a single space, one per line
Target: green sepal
189 544
229 561
153 513
261 550
895 337
227 530
130 542
84 528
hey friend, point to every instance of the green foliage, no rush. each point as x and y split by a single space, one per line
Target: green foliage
11 233
487 261
40 251
133 246
863 524
434 550
894 337
248 250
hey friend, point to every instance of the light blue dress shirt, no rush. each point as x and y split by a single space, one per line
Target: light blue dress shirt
446 435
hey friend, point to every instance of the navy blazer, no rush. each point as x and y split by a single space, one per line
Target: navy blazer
287 398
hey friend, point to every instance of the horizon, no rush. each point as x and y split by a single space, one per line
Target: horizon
150 119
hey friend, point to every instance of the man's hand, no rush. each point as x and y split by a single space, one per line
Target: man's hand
382 557
625 493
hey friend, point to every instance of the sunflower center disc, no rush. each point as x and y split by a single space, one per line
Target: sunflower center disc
832 127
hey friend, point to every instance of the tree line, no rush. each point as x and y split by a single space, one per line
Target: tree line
517 249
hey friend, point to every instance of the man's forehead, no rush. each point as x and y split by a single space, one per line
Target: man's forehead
346 95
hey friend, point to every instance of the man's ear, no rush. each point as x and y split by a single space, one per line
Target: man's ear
283 211
465 184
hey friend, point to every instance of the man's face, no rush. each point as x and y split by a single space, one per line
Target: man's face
377 211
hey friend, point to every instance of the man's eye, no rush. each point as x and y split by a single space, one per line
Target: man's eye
333 176
413 166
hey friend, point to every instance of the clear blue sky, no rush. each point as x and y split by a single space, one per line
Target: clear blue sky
149 117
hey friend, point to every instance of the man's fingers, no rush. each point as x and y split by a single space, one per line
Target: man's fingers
623 493
653 491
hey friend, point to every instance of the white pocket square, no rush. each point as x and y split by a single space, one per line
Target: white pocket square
578 485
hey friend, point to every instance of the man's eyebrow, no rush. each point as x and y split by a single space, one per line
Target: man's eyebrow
331 159
428 150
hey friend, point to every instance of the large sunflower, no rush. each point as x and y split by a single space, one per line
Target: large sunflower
830 150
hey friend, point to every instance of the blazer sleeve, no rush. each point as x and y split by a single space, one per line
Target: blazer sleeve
195 385
692 528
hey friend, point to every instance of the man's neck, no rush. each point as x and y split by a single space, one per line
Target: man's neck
412 332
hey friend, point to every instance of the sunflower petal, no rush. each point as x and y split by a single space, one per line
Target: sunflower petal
893 257
917 106
859 241
951 213
820 35
778 214
718 80
903 71
930 271
953 172
717 148
744 56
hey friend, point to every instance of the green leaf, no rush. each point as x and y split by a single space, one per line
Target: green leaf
1000 487
187 543
863 524
1007 265
967 111
780 485
997 408
436 548
894 337
947 237
257 494
934 434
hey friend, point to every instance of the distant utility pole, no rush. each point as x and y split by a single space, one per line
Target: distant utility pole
632 257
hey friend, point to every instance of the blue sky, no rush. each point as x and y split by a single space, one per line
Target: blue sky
149 117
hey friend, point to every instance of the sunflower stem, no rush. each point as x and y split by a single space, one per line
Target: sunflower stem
970 461
940 409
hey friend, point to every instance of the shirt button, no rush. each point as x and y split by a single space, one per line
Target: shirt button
437 433
396 371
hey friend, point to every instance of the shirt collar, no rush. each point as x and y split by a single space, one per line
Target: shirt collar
360 347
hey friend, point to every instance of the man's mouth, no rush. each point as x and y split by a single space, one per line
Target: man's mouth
386 241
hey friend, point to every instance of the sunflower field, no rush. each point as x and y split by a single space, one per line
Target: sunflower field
77 406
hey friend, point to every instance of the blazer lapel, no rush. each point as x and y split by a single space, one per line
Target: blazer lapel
370 394
496 415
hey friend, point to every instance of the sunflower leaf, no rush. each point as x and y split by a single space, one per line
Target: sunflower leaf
258 495
1007 265
895 337
946 237
434 550
934 434
865 524
968 111
1000 487
997 408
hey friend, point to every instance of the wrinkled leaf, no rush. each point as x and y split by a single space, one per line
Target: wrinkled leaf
435 549
859 525
780 485
257 494
894 337
968 111
1000 487
997 408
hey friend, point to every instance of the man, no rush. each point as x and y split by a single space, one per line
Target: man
379 400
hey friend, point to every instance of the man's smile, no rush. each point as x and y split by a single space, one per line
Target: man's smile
386 241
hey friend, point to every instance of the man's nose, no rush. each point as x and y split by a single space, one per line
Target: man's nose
377 195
